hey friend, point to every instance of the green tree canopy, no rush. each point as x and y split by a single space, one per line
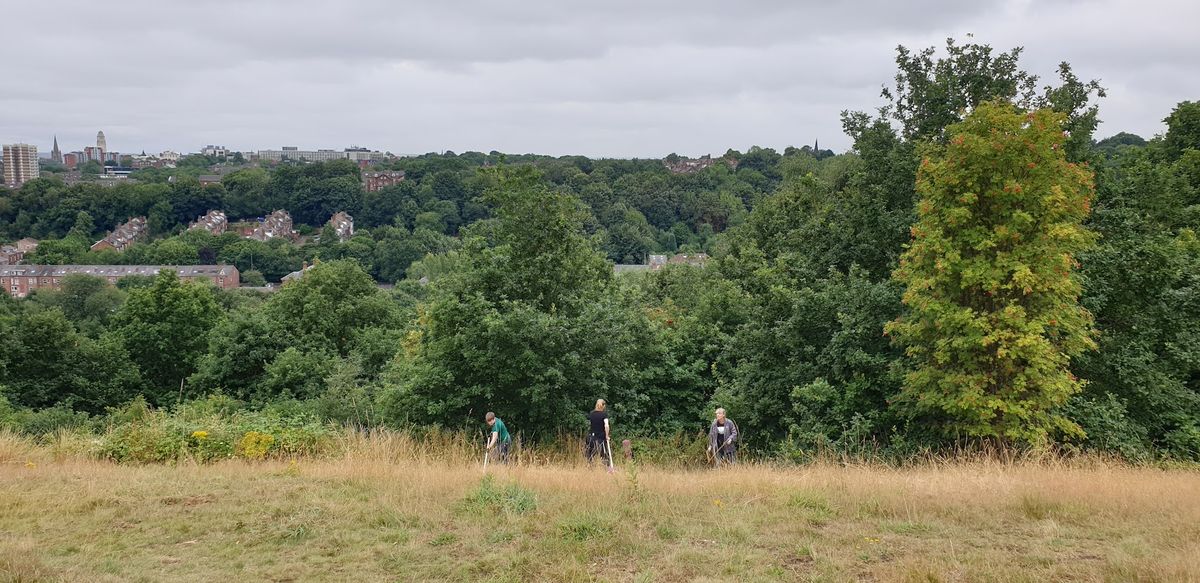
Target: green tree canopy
165 329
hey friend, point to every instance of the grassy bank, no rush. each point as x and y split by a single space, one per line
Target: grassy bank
385 511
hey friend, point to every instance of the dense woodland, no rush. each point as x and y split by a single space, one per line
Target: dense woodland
977 268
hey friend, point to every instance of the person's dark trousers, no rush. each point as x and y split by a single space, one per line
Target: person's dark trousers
595 445
502 451
727 455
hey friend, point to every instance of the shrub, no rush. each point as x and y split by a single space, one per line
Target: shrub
42 422
216 405
1109 427
145 441
255 445
210 429
1184 443
678 449
205 446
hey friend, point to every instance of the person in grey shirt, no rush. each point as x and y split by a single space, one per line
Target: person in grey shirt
722 439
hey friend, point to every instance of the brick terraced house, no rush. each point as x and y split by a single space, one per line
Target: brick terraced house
20 280
214 222
122 237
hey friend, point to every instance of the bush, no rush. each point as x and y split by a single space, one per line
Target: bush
211 429
253 278
41 422
678 449
254 445
1108 427
145 441
217 405
1184 443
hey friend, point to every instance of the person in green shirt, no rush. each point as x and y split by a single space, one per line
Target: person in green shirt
500 439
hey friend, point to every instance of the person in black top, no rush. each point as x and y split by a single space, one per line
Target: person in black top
598 433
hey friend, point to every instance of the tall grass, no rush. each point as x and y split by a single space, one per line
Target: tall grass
388 505
163 438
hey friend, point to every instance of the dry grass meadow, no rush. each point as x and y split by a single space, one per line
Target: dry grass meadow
378 512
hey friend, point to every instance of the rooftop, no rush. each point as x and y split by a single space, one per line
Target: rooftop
115 270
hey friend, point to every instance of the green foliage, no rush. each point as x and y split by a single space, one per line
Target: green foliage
165 329
1141 283
1108 426
931 94
253 278
287 347
525 326
1183 129
209 430
349 396
993 301
42 421
87 301
296 374
49 363
811 362
58 252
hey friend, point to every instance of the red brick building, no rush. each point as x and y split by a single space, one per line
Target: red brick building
10 255
20 280
343 225
214 222
123 236
693 259
277 224
375 181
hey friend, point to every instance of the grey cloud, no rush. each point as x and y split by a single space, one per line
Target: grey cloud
620 78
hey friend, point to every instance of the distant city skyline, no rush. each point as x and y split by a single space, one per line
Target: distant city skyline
621 79
66 146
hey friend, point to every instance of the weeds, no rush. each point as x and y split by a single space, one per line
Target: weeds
509 499
443 539
583 527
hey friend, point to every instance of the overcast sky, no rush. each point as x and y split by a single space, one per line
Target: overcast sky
616 78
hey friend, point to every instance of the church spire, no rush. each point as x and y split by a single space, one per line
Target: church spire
56 154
